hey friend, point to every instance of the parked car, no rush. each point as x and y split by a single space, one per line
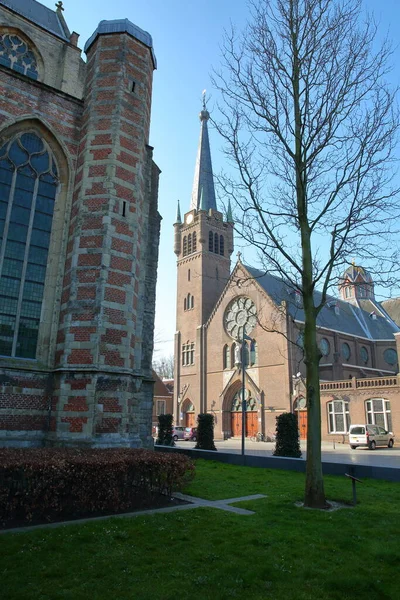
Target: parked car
370 436
178 432
190 434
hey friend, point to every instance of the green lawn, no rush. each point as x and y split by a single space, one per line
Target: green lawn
281 552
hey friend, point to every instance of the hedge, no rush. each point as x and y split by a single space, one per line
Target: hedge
47 484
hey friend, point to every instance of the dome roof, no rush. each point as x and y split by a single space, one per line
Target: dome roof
353 273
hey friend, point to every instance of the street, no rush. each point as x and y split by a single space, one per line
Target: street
340 453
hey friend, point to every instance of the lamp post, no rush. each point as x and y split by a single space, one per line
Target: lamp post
243 356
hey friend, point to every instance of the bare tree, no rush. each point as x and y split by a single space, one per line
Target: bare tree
310 126
164 367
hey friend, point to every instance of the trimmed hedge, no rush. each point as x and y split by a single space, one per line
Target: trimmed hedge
205 432
287 436
47 484
165 427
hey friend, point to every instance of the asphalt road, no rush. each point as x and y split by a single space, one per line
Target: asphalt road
340 453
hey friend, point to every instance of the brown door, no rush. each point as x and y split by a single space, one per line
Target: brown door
236 424
190 420
302 421
251 424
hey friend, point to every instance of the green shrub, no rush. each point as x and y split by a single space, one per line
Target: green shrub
165 430
205 432
39 484
287 436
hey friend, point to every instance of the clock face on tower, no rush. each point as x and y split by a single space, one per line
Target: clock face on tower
189 219
240 314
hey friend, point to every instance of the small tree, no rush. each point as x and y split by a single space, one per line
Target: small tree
205 432
164 367
287 436
165 431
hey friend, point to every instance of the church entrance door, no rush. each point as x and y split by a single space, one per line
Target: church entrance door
190 420
251 423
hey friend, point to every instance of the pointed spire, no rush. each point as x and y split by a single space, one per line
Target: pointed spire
178 214
203 194
229 218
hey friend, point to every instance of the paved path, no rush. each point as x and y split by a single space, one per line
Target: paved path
193 503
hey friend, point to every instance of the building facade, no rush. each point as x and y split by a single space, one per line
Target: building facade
357 338
80 231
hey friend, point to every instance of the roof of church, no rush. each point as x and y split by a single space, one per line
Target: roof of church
37 13
354 272
203 194
349 319
122 26
392 307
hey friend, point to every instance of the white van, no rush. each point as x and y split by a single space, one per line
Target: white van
370 436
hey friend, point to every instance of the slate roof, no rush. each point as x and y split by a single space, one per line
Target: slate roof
203 193
37 13
350 319
392 307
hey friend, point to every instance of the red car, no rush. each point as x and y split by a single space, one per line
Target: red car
190 434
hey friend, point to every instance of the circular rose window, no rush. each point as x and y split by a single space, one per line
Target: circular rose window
240 315
390 356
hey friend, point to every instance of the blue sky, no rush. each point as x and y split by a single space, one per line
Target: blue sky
186 37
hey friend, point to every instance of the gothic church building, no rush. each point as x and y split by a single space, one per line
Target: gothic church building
358 340
79 231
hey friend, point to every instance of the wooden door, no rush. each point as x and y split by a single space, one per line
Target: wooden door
302 421
251 423
190 420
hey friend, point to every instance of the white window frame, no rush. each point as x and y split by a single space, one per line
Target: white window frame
332 426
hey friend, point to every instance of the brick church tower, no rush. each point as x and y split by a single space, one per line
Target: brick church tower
79 252
203 244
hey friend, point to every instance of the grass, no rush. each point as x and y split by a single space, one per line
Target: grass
281 552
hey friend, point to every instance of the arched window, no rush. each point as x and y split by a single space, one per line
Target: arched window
253 353
188 301
226 359
216 243
233 348
194 241
16 54
184 304
221 245
28 189
338 416
189 248
210 242
184 245
192 302
188 274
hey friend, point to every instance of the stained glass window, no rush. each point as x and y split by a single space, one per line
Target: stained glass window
16 54
28 187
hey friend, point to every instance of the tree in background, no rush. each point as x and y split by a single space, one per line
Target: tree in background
310 126
164 367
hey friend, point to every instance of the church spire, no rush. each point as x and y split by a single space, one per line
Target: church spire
203 194
178 214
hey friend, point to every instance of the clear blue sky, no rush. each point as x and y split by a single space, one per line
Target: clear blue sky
186 37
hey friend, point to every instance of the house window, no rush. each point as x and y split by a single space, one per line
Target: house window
16 54
221 245
338 416
160 407
378 412
28 189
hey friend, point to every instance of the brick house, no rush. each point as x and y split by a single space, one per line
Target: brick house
163 400
357 337
80 231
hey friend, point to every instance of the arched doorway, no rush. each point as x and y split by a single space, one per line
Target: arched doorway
300 410
188 414
251 414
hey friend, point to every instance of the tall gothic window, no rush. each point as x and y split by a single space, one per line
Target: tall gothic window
253 353
16 54
194 241
28 187
221 245
211 242
184 245
189 242
216 243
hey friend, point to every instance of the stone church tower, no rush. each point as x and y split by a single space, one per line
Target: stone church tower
203 244
78 257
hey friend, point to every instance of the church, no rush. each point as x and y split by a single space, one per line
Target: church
79 230
358 339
